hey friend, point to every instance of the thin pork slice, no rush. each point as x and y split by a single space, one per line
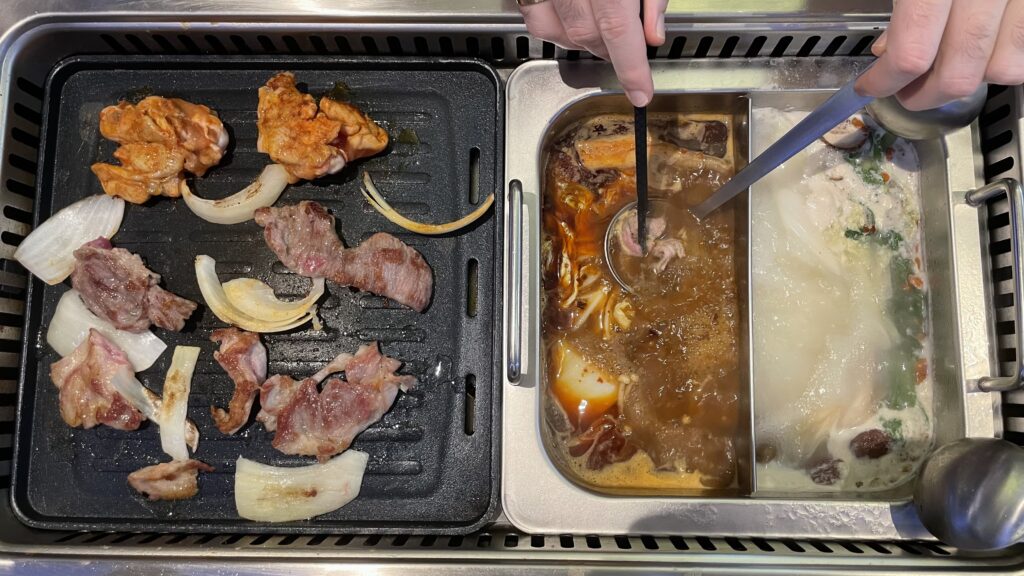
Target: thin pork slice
325 423
244 358
87 398
175 480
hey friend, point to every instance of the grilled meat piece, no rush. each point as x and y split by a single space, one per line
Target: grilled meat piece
385 265
176 480
308 142
360 136
244 358
83 377
159 137
322 424
116 286
303 237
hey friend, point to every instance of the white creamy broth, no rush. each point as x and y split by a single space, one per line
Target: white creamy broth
841 375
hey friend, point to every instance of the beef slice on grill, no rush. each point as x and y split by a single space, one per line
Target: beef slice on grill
116 286
303 238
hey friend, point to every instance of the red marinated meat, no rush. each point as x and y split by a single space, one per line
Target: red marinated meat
86 396
303 237
322 424
116 286
244 358
176 480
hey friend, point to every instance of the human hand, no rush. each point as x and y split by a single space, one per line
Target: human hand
936 51
609 29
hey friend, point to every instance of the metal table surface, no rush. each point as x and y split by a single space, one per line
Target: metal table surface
457 15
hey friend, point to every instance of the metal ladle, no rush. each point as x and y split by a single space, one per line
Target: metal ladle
888 112
970 494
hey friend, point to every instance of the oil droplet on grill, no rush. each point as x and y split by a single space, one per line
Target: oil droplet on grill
408 136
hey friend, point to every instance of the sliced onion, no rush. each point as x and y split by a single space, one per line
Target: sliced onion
257 299
376 199
146 401
274 494
177 387
225 308
48 252
240 206
70 326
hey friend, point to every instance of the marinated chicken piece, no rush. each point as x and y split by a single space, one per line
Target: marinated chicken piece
176 480
159 138
311 143
360 136
116 286
244 358
83 377
147 170
311 423
303 238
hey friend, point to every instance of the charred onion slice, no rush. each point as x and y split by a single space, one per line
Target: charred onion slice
374 197
49 251
151 406
246 313
173 409
275 494
240 206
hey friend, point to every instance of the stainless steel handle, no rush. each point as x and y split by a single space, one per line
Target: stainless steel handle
1015 197
514 288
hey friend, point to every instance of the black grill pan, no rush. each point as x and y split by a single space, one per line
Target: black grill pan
434 457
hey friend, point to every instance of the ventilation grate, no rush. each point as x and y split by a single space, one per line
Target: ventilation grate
1001 148
508 541
505 49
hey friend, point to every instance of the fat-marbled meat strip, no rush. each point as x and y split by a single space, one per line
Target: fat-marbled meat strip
303 237
116 286
175 480
244 358
87 398
323 423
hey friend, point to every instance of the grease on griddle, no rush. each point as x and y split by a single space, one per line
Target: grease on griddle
340 92
408 136
136 95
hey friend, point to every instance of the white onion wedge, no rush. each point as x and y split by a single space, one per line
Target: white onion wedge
273 494
224 307
257 299
177 387
70 326
48 252
376 199
146 401
240 206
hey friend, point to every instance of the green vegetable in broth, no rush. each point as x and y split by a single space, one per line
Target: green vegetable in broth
868 164
894 428
907 309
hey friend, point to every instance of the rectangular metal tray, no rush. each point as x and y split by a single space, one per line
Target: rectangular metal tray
547 501
434 457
